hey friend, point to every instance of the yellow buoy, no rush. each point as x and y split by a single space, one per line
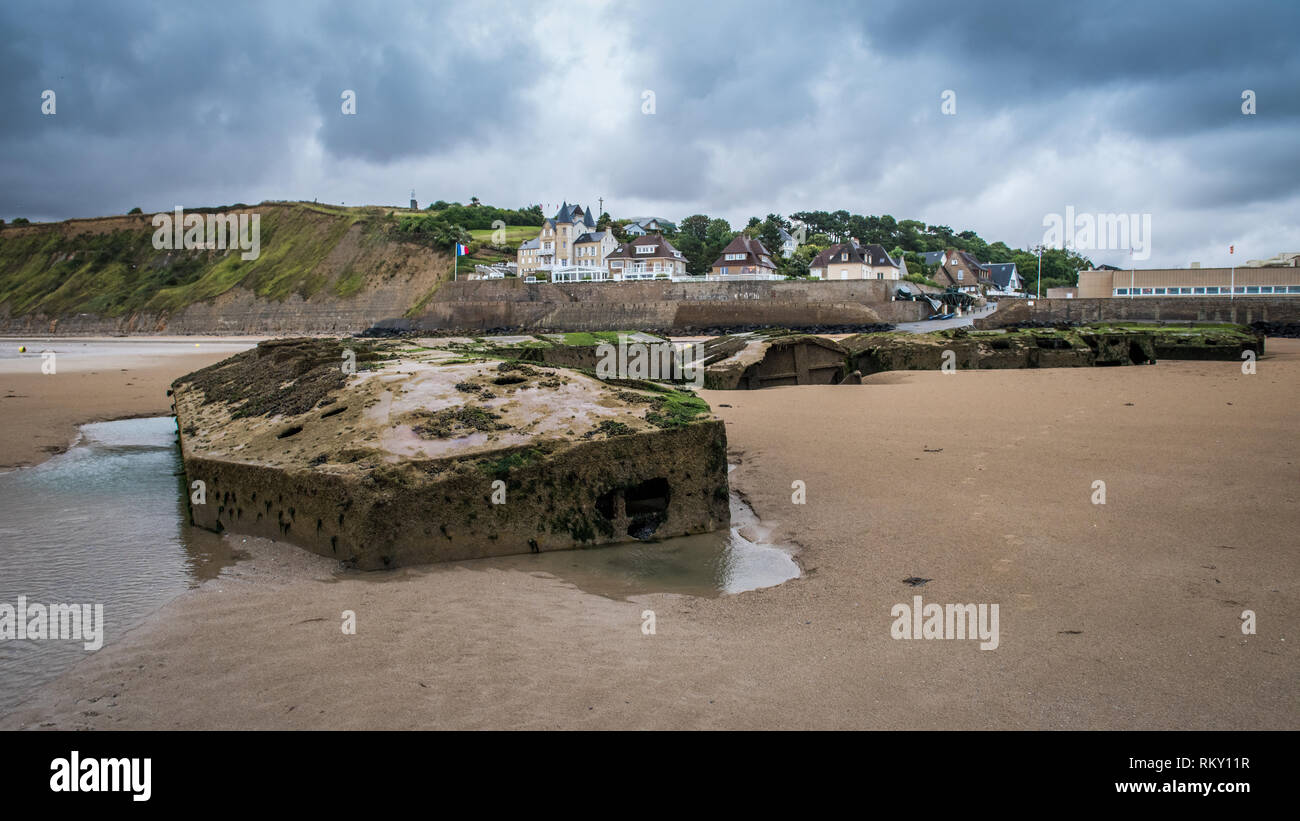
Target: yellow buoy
22 349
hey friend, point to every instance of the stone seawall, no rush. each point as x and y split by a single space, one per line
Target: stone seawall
1242 311
676 307
480 305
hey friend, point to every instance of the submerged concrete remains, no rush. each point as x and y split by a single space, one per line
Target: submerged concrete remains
429 454
749 361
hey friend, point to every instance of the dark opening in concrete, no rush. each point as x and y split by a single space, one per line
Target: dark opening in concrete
651 496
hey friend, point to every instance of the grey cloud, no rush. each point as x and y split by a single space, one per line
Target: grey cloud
801 105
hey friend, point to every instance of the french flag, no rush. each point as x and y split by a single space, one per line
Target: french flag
461 250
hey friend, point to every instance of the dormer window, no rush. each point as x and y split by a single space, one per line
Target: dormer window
645 249
735 256
844 257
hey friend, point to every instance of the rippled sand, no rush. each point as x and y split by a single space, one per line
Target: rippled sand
1123 615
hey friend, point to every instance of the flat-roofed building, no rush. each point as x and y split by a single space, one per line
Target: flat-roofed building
1189 282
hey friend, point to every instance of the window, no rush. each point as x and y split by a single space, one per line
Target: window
1198 290
844 257
1160 291
961 274
1121 292
1239 290
1293 289
1186 290
645 249
1266 289
735 256
1212 289
1253 289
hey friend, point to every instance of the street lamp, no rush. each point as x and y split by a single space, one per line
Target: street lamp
1038 249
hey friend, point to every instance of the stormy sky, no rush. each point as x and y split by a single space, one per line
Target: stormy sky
757 107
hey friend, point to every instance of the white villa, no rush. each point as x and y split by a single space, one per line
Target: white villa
569 240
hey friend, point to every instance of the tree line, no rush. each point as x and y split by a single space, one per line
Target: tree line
701 238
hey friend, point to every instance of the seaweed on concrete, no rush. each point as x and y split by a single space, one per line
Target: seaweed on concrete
279 376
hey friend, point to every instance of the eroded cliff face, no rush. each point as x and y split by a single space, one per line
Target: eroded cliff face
425 454
319 270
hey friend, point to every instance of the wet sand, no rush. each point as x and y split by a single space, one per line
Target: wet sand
1116 616
95 380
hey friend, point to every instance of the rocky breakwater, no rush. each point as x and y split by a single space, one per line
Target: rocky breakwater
382 454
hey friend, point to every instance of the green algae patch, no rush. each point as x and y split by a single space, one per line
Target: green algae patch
675 410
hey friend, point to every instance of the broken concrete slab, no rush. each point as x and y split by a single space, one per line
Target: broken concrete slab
758 361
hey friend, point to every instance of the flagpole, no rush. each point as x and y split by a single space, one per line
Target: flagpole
455 265
1232 288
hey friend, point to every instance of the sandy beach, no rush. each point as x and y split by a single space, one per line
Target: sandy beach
1125 615
95 379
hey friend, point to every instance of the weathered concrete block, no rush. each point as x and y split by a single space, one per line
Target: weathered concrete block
423 455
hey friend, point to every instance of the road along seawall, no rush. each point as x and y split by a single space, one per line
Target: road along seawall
1242 311
676 307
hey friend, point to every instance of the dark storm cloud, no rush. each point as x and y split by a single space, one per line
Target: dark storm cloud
217 96
759 106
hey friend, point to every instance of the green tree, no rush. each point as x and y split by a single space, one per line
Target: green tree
696 225
769 233
797 265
